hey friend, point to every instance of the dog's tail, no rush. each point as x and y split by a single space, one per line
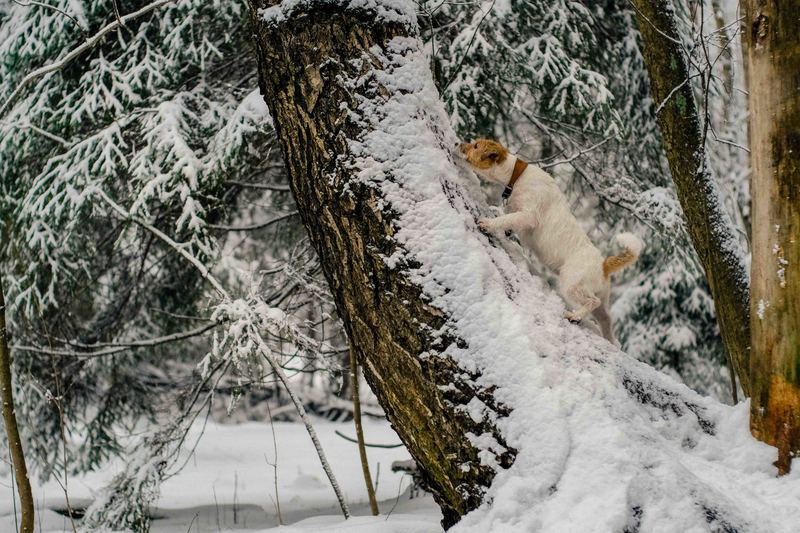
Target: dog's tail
632 248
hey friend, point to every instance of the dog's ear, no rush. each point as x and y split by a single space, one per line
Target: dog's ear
491 155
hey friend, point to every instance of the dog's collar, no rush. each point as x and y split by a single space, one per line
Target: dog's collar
519 168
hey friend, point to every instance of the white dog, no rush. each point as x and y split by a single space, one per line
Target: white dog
538 212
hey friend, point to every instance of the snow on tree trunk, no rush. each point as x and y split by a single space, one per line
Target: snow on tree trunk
709 226
513 413
773 56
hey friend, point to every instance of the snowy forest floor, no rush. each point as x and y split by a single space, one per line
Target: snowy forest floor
228 485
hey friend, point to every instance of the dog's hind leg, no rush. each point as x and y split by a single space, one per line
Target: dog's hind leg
604 319
587 301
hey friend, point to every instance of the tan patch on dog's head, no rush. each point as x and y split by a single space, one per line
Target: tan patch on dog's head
484 153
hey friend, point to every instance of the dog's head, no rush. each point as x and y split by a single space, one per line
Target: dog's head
489 158
484 153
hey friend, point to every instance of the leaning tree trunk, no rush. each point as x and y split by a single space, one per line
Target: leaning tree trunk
316 65
773 55
10 424
708 225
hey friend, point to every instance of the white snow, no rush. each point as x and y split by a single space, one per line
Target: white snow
777 251
604 442
762 308
230 470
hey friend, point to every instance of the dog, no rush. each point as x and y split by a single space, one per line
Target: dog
539 214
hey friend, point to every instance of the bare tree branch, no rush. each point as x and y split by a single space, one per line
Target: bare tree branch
103 349
253 227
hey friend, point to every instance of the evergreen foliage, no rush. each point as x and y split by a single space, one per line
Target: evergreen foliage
122 172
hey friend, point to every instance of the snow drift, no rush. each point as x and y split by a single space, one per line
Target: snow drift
605 443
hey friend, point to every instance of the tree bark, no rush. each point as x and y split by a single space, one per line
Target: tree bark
773 54
684 141
11 427
314 66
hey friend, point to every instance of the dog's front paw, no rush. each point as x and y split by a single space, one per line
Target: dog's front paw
573 317
486 224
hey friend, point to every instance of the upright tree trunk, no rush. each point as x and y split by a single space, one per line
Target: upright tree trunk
708 225
316 65
773 55
12 430
362 447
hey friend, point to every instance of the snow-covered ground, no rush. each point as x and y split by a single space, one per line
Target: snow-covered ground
228 485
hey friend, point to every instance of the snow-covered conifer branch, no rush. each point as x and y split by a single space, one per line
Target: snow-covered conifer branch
88 44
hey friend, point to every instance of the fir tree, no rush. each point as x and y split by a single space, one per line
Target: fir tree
134 180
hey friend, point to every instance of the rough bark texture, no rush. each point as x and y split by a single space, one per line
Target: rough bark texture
773 54
307 67
12 430
706 222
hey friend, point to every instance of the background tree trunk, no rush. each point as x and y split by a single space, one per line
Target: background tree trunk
362 447
708 225
773 55
314 67
12 430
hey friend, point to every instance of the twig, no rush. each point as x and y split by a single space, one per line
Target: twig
62 434
673 91
116 13
161 235
280 188
580 153
301 411
275 464
466 51
397 500
216 505
254 227
14 494
351 439
54 8
192 522
61 426
266 352
660 32
235 490
44 133
362 449
114 348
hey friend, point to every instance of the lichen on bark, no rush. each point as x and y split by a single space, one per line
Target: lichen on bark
709 226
